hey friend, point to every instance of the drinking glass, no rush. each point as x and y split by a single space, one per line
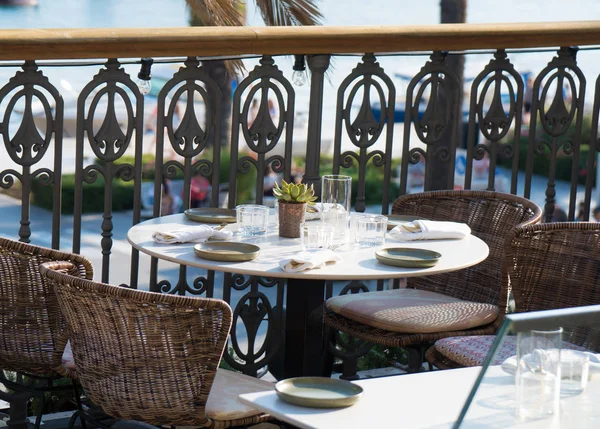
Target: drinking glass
369 230
574 372
316 236
538 373
252 219
335 204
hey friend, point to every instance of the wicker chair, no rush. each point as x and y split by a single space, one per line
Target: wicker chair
547 266
33 335
152 357
490 215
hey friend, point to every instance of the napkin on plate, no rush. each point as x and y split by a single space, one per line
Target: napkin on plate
429 230
309 259
197 233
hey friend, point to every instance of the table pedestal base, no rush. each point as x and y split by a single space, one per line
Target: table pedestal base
304 343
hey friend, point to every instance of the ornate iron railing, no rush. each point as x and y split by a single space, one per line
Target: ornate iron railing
110 117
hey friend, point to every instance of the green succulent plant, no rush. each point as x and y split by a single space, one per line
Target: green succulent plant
294 193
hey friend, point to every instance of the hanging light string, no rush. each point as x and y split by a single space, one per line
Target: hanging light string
145 76
179 60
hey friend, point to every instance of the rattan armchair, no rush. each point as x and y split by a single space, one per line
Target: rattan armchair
152 357
491 216
33 335
547 266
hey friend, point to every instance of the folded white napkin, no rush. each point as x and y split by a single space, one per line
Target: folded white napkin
197 233
313 211
309 259
429 230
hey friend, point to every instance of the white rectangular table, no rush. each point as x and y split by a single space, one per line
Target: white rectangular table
433 400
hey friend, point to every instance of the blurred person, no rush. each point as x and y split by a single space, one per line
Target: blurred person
580 212
169 202
199 188
269 181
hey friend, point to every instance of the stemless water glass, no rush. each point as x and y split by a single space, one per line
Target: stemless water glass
252 219
538 373
369 229
315 236
335 204
574 372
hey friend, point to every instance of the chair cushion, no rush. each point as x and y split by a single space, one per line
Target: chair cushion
223 402
471 351
413 311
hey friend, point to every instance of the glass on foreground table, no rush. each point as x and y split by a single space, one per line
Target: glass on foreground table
554 370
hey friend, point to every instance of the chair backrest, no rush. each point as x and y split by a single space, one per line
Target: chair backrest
555 265
142 355
32 329
491 216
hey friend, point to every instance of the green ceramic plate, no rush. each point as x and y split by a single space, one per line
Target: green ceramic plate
227 251
395 220
211 215
318 392
407 257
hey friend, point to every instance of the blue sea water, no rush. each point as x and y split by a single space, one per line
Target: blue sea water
95 14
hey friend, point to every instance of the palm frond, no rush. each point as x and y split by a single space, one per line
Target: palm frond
273 12
289 12
216 12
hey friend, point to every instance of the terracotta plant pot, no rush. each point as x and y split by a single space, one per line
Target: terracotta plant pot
291 216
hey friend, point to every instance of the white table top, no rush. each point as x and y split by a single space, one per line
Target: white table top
356 264
431 400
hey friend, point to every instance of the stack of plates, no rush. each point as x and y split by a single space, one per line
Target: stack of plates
211 215
407 257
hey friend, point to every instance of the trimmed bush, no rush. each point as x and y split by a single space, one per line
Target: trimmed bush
93 195
541 163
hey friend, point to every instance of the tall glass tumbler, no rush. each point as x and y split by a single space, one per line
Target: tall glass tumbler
538 373
335 205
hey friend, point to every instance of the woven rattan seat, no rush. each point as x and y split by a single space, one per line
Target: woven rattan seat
152 357
491 216
547 266
33 334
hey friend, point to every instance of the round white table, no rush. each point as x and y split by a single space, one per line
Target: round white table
305 290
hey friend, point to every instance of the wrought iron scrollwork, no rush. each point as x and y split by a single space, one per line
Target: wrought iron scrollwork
557 104
496 104
194 97
263 115
31 141
367 81
435 87
259 318
109 134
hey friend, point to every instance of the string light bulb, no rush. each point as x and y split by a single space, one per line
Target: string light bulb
145 75
299 75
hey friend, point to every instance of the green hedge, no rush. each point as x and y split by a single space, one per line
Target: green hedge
541 163
93 195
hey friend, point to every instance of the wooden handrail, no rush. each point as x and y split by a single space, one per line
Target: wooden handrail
234 41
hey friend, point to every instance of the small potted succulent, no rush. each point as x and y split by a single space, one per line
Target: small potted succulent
293 199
